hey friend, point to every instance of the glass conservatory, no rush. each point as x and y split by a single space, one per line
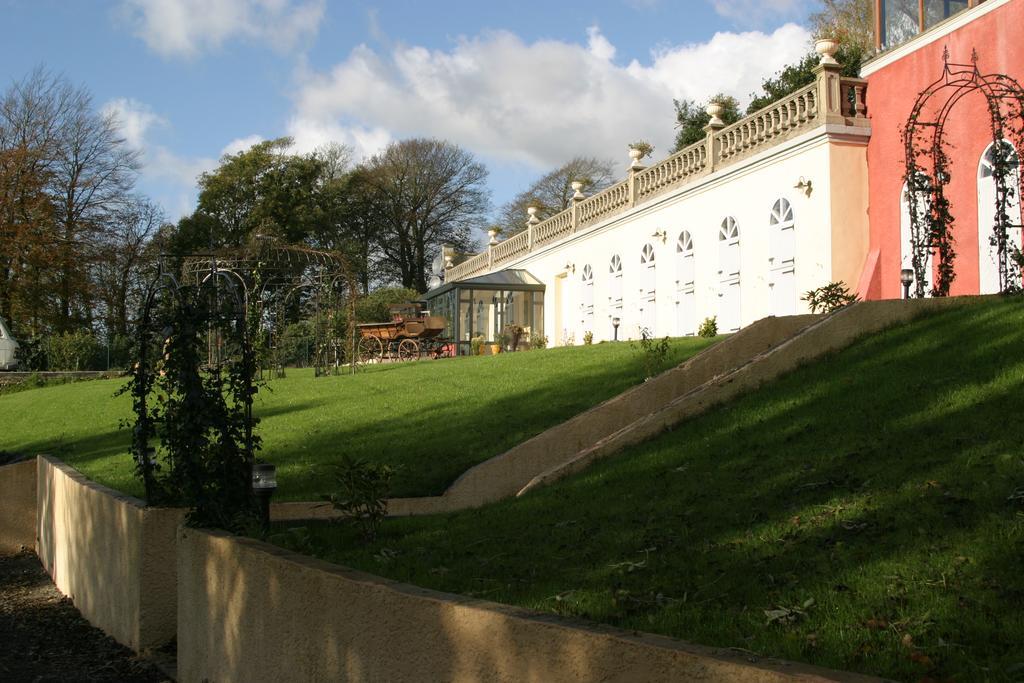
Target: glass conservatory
486 305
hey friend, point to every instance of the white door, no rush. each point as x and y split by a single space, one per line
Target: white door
729 275
648 290
686 301
988 251
587 305
782 259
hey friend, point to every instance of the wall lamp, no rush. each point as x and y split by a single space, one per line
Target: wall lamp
804 186
660 235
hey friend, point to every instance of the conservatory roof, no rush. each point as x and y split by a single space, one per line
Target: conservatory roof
512 279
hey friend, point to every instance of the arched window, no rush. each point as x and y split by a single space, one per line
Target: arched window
729 275
906 246
587 304
648 288
686 298
988 249
782 259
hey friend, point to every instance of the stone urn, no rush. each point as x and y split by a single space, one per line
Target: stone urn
715 110
492 236
577 189
827 48
634 155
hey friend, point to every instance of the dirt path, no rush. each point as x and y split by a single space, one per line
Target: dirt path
44 638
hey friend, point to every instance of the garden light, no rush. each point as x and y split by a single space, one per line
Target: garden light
615 326
264 483
906 278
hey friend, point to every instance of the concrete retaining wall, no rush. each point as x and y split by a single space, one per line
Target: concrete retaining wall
503 476
833 333
112 555
18 506
248 611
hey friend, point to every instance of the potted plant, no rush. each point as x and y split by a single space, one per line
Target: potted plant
826 44
501 340
476 345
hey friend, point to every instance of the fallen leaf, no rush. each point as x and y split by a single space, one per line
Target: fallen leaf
876 624
922 659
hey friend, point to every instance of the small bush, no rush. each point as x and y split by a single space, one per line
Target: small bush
831 297
653 353
588 338
362 493
71 350
538 341
708 328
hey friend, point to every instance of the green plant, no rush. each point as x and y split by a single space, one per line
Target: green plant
362 493
476 345
588 338
71 350
831 297
708 328
652 353
503 339
538 341
645 148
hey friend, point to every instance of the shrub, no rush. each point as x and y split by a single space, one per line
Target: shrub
588 338
538 341
515 334
653 353
71 350
708 328
831 297
362 493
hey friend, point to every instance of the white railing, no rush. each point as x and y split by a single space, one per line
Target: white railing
603 204
764 128
510 248
674 170
796 111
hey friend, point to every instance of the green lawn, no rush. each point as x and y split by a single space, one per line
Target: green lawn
863 513
433 419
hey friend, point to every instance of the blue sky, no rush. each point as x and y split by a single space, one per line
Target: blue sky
523 85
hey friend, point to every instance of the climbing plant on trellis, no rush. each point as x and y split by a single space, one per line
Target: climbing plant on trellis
928 171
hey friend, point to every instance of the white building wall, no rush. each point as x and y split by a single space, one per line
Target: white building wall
747 192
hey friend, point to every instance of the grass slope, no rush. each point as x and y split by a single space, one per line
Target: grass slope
433 420
863 513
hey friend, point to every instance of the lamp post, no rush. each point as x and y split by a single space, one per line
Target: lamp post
906 279
264 483
615 326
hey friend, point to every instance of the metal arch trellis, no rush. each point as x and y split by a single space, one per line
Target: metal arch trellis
928 169
272 276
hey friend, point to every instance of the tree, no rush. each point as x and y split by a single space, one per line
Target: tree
121 257
553 192
65 169
795 76
851 22
691 119
424 193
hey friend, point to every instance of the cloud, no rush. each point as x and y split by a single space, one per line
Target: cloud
171 175
537 103
241 144
187 28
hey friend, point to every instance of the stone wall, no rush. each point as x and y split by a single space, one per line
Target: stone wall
252 612
113 556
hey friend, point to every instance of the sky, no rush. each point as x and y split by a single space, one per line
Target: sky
524 86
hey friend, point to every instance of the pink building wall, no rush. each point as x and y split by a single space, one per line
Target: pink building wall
998 37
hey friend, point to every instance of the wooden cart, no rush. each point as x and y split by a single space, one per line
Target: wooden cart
409 335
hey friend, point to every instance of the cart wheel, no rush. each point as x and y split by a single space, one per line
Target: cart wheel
369 349
408 350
